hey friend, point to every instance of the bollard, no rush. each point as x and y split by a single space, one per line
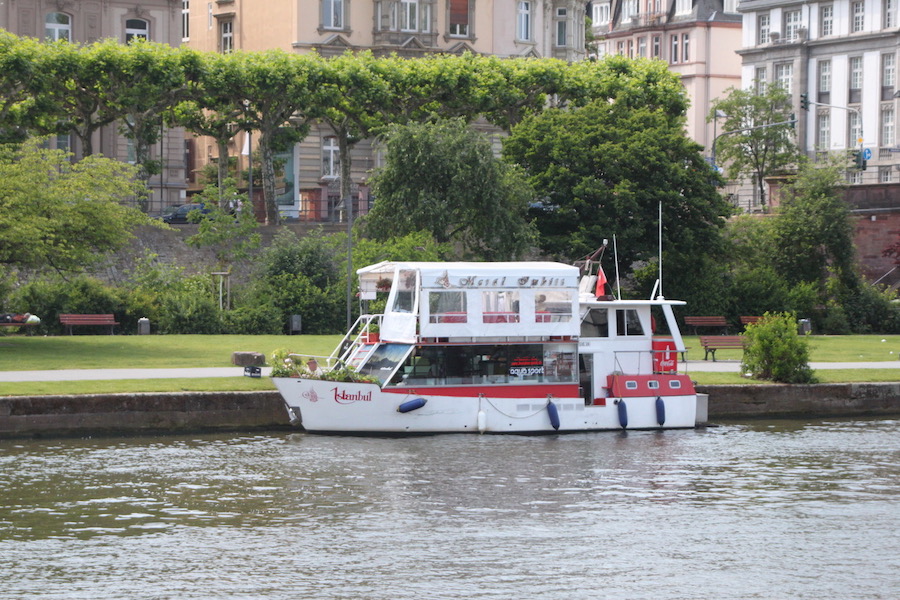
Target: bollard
143 326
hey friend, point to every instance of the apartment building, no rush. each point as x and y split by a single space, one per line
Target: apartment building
841 56
309 186
697 38
87 21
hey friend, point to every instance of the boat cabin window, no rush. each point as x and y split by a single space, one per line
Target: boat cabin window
500 306
552 306
488 364
595 323
447 307
628 322
405 292
384 360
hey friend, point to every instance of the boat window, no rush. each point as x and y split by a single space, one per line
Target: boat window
447 307
595 323
384 360
653 384
500 306
628 322
552 306
674 384
405 287
488 364
631 385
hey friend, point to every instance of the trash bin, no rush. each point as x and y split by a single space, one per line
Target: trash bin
804 326
143 326
295 324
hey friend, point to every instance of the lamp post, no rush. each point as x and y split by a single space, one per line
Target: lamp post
719 114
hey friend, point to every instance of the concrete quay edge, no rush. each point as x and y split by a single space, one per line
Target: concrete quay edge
184 412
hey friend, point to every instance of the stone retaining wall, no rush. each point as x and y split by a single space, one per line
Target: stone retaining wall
116 414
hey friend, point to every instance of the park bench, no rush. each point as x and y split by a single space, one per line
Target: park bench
697 322
70 321
711 343
748 320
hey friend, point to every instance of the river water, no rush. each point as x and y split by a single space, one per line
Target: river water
767 510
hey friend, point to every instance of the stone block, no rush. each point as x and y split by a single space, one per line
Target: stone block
248 359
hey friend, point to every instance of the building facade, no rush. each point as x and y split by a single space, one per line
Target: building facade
841 56
309 186
697 38
87 21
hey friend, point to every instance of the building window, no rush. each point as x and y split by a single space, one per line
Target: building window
136 29
856 72
854 129
642 47
58 26
561 22
731 6
601 14
682 7
685 47
791 25
226 36
890 14
823 131
854 177
185 20
884 174
620 48
763 26
887 127
459 18
888 70
657 46
409 14
331 158
523 20
332 14
784 76
826 20
673 54
824 76
859 16
761 80
630 48
629 10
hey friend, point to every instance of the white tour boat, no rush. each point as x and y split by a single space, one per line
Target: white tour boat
512 347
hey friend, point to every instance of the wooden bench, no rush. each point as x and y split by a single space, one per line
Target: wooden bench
748 320
697 322
711 343
70 320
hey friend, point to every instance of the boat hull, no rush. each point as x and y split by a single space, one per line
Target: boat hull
361 408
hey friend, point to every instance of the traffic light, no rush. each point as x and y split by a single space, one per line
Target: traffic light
793 121
858 160
804 101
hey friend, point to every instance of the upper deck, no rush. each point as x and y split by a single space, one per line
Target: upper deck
474 300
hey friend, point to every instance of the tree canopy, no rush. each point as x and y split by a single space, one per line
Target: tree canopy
603 169
61 215
443 178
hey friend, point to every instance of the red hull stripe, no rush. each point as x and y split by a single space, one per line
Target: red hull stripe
512 391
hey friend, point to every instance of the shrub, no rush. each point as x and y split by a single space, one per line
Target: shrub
775 351
49 296
253 320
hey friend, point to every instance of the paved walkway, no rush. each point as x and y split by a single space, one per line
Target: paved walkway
722 366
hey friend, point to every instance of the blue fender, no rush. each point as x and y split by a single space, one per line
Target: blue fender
623 414
410 405
660 411
553 413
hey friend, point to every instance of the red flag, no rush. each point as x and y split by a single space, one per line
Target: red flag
601 283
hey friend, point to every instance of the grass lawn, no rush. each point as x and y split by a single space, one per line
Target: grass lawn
30 353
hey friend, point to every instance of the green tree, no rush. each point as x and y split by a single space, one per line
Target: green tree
813 233
603 170
443 178
230 230
758 136
61 215
21 82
